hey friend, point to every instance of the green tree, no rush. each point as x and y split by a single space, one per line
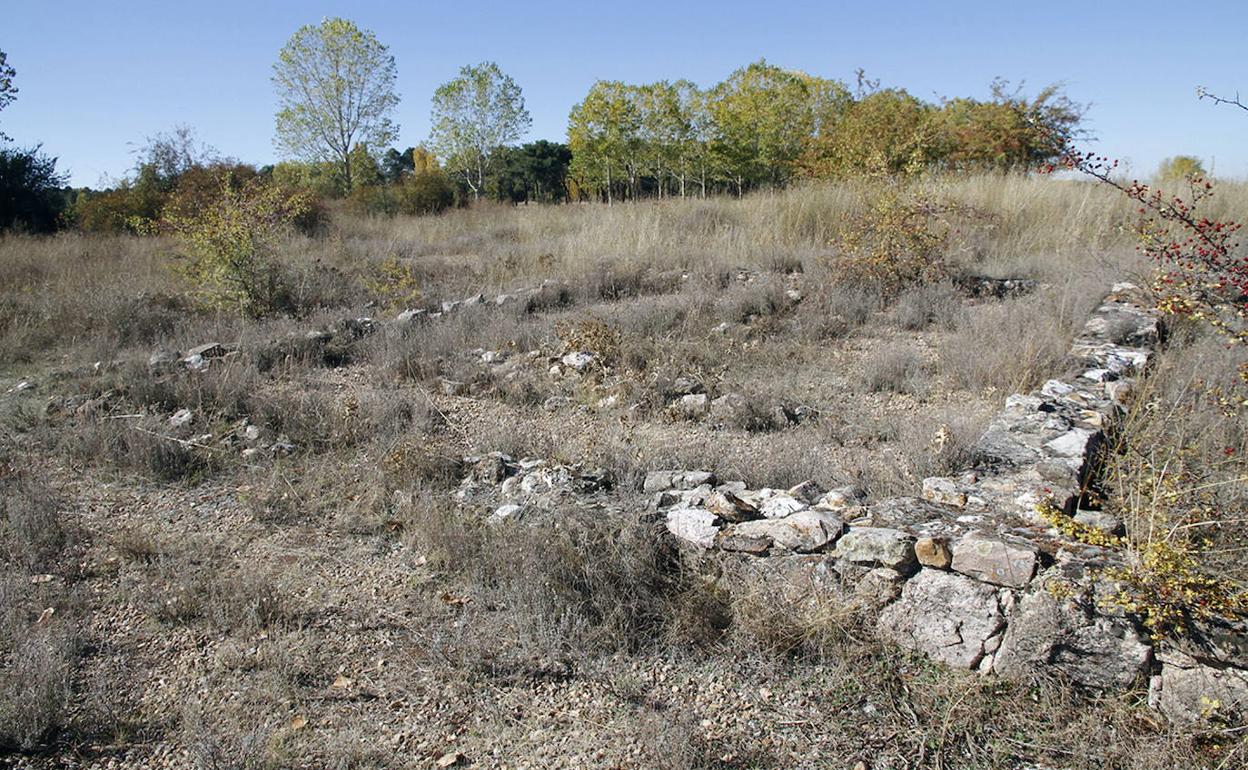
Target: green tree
395 164
31 198
763 116
1180 168
536 171
883 132
1010 131
604 134
364 167
335 89
474 114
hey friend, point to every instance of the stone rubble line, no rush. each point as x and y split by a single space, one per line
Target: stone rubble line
970 573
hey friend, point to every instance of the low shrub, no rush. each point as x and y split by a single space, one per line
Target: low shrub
895 369
928 305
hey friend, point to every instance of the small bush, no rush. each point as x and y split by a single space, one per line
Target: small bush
231 245
898 242
427 192
31 532
936 305
895 369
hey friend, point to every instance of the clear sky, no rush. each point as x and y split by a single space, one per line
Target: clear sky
96 78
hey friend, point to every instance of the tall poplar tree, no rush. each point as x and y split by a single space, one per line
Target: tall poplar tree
335 90
474 115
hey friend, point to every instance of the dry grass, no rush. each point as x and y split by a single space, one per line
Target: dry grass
1179 475
228 594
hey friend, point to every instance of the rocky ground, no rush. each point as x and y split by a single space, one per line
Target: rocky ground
308 550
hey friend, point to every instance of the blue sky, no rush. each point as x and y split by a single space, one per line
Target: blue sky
95 78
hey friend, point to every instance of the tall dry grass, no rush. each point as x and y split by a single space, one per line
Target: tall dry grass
101 292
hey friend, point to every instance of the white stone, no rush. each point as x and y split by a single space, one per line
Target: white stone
693 525
779 506
578 360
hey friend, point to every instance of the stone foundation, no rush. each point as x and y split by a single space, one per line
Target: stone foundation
972 572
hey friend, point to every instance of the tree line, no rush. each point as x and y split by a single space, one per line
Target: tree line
762 127
765 126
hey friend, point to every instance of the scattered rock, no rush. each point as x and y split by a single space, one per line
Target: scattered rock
692 406
981 286
411 316
453 388
180 418
162 359
840 498
206 350
196 363
1099 520
802 532
943 490
726 505
508 511
578 361
808 492
781 505
657 481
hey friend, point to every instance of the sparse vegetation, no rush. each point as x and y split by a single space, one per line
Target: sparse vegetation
302 526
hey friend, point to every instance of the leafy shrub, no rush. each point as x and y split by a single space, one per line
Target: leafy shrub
425 192
898 242
231 244
393 284
429 192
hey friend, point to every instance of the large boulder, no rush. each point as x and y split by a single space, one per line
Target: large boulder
802 532
950 618
1069 638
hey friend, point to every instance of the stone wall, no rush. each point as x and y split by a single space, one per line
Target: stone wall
970 572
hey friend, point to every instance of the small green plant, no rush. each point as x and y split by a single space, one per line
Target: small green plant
230 245
393 284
